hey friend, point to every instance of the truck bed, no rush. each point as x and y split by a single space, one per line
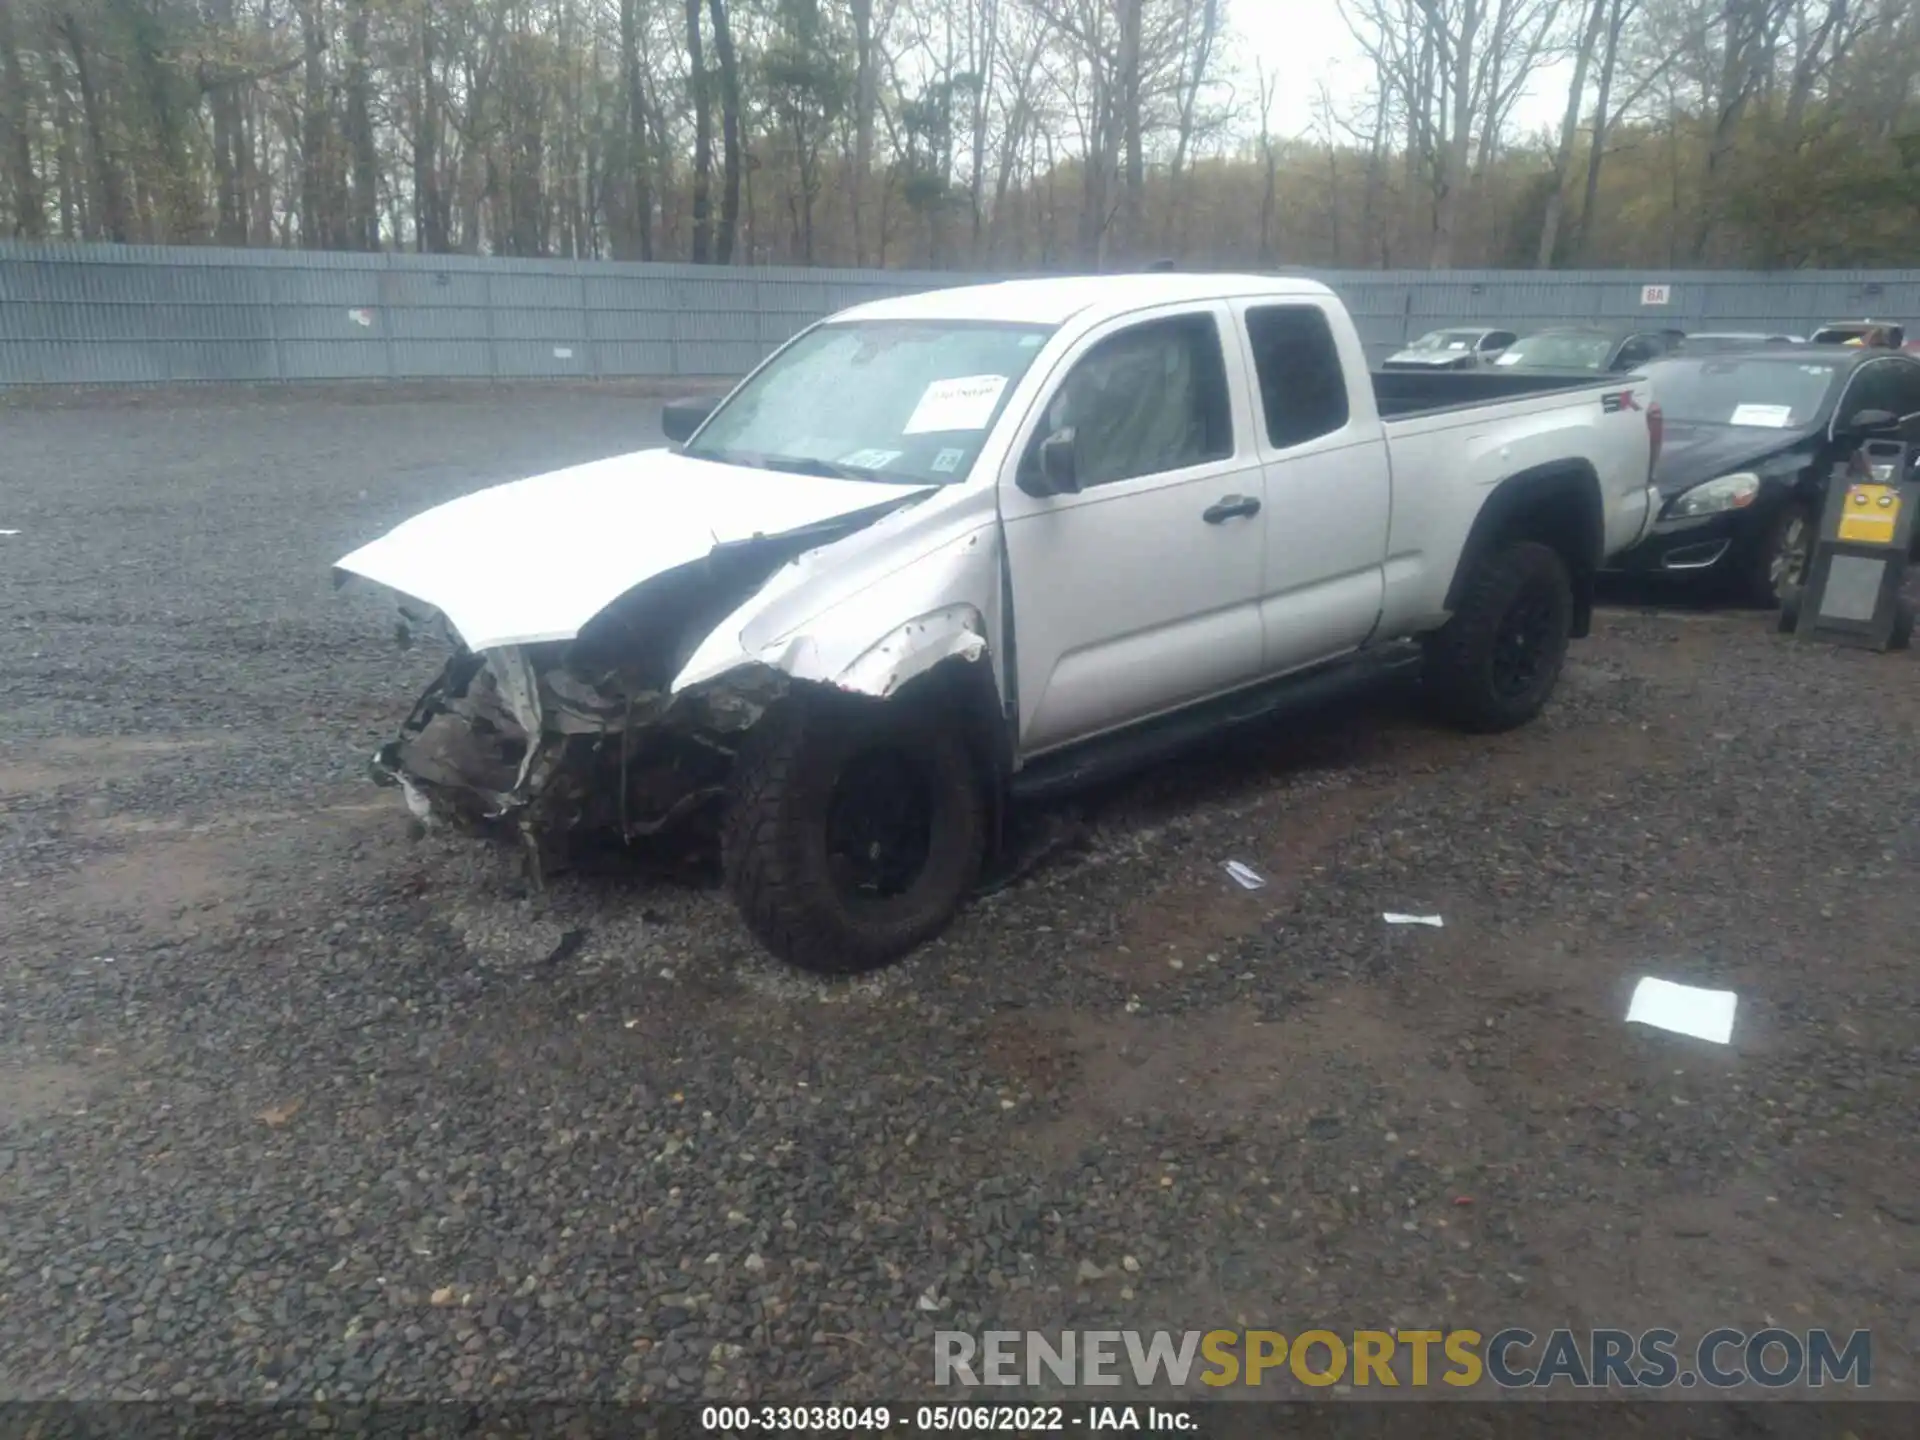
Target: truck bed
1402 394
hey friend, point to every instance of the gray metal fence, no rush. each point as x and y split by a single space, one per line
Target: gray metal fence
132 315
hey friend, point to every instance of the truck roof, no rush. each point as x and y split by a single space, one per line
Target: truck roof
1055 300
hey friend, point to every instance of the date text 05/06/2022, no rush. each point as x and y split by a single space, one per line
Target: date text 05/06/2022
936 1419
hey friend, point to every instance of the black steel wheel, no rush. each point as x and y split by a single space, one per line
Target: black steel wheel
1494 665
854 829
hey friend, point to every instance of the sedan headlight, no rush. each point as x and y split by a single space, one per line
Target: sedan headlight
1729 492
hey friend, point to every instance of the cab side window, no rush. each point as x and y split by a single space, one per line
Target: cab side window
1303 385
1148 400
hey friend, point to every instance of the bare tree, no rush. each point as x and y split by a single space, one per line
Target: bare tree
702 138
729 131
1002 133
29 217
1586 43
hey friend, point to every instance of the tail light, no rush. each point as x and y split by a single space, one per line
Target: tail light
1656 434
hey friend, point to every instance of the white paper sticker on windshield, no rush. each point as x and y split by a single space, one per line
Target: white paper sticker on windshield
963 403
1457 345
870 459
1774 417
1508 359
947 461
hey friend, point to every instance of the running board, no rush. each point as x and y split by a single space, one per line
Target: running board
1141 745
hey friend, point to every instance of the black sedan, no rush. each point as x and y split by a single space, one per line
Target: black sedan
1750 440
1593 348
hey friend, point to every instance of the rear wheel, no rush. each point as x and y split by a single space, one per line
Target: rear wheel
1493 666
854 830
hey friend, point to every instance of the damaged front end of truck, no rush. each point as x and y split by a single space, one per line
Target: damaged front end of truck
581 740
626 732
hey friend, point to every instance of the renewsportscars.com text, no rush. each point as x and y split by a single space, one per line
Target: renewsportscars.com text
1512 1359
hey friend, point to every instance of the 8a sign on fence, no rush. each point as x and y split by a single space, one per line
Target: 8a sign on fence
1655 294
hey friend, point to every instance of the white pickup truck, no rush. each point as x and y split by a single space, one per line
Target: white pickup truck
942 552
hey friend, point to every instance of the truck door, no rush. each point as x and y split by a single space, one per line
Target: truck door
1329 489
1139 593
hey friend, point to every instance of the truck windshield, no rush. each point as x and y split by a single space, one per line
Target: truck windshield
1764 394
904 402
1565 351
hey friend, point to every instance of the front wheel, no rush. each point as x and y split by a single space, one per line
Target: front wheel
1778 563
854 830
1494 665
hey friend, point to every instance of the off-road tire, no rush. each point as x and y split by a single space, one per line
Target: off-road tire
1459 671
774 834
1754 582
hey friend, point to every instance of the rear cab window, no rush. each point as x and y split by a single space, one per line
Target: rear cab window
1303 384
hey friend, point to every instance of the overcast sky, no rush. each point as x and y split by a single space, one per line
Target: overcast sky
1305 42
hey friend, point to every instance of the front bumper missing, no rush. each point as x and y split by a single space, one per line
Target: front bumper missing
515 744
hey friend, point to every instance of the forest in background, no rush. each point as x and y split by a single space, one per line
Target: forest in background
984 134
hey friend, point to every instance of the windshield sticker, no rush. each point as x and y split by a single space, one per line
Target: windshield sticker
1457 345
871 459
1512 357
1774 417
948 461
964 402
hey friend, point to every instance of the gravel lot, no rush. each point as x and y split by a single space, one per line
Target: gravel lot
292 1100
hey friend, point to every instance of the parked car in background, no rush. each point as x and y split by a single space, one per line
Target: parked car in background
1750 441
1589 348
1458 349
949 550
1710 342
1866 334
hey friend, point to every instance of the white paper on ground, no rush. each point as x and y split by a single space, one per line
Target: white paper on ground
1774 417
1684 1009
1394 917
1244 876
9 532
963 403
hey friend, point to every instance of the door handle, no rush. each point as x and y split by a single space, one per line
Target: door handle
1230 507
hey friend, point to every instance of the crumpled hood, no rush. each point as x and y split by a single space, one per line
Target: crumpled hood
536 559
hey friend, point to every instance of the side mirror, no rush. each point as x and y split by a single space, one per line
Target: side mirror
681 418
1058 471
1871 422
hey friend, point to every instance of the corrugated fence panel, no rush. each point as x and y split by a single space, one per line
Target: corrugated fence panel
442 359
137 314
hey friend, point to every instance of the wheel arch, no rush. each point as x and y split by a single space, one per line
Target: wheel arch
1556 504
964 688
